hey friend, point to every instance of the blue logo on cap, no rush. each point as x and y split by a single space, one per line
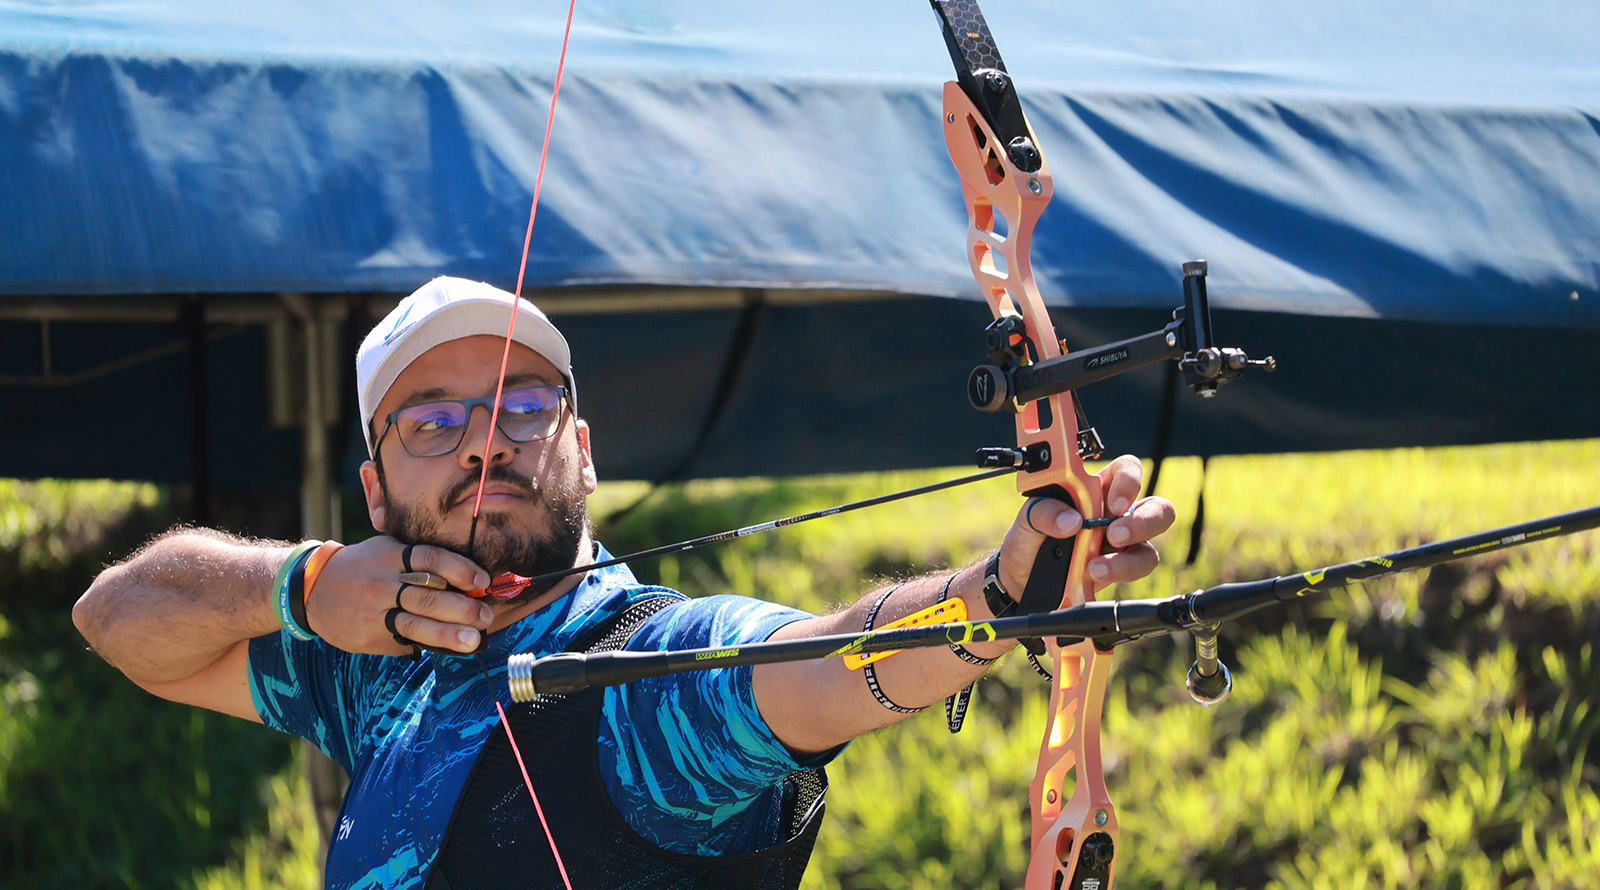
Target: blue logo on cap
395 331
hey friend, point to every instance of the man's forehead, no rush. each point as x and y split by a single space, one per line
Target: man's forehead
430 393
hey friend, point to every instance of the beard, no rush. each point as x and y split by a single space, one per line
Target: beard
497 547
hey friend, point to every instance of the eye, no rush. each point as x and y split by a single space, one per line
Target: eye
530 413
432 417
530 400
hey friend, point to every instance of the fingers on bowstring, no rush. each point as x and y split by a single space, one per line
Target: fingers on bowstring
444 606
427 612
454 569
409 628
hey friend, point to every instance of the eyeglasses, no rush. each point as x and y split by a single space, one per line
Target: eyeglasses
430 429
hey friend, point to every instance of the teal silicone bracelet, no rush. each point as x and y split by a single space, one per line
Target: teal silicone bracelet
280 589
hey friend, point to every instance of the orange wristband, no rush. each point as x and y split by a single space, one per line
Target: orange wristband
315 563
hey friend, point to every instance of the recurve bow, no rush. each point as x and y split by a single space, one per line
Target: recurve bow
1006 185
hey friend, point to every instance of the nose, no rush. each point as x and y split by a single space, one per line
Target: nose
470 452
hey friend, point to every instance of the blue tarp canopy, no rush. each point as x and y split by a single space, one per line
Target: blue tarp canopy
1402 201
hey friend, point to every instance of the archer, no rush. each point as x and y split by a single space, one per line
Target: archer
710 778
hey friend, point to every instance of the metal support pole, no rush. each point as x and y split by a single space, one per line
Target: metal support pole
194 329
319 510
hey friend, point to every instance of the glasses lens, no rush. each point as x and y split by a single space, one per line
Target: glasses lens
431 428
530 413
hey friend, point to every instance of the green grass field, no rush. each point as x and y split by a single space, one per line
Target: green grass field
1428 730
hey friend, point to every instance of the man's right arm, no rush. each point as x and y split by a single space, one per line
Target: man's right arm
177 616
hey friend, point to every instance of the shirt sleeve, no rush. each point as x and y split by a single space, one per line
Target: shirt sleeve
305 689
688 758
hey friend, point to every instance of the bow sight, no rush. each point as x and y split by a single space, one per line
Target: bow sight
1016 378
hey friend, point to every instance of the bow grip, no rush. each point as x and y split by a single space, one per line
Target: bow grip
1047 582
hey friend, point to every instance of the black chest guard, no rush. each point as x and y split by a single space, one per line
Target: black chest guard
494 841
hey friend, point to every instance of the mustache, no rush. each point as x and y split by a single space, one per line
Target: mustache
469 483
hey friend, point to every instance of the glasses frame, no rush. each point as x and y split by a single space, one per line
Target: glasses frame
487 403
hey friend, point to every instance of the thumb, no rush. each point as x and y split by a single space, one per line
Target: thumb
1042 517
1039 520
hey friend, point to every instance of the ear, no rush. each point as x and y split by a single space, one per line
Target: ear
591 481
373 490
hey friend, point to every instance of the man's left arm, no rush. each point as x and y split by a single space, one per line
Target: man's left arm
817 705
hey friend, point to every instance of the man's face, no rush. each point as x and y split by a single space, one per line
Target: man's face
533 518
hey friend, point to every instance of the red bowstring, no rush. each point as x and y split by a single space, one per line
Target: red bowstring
494 413
536 808
527 241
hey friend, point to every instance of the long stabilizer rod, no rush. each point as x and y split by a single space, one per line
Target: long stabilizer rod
1107 623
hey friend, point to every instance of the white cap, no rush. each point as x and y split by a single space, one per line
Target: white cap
442 310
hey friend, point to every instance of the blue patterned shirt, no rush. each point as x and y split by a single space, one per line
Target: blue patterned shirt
687 759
